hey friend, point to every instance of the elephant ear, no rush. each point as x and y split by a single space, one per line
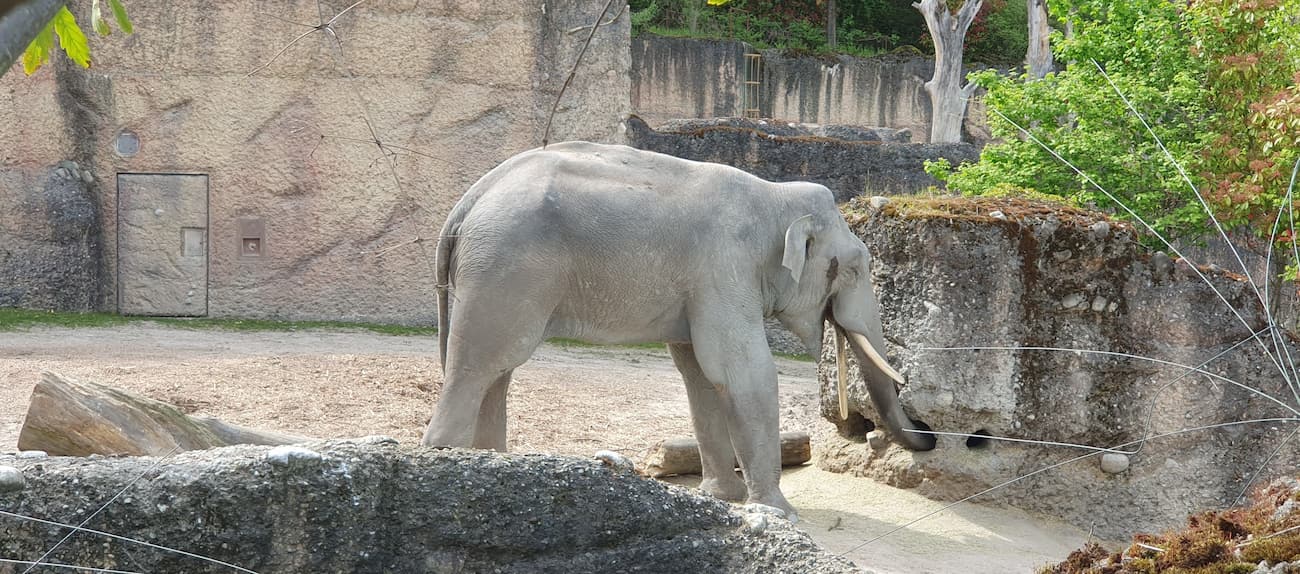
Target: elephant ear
796 245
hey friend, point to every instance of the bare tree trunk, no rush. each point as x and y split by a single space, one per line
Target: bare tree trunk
831 16
19 24
947 94
682 455
1038 60
79 418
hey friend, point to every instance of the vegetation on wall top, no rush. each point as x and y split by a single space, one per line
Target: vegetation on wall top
864 27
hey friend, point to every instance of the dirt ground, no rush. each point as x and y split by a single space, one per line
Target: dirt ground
567 400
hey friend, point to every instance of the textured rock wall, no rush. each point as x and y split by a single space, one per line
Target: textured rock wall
51 254
371 506
1028 276
456 87
676 78
847 167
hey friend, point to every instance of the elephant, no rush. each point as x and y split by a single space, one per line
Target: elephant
612 245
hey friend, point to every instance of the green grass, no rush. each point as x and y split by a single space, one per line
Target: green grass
15 319
19 319
273 325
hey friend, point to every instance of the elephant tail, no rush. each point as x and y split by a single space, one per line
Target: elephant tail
446 247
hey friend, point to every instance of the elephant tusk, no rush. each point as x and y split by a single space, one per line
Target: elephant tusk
861 341
841 374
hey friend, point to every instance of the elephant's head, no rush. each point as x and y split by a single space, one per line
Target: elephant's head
830 273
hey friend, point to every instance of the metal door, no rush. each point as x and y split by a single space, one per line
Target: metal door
162 245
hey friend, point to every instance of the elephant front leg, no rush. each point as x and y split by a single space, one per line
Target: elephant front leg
742 370
716 454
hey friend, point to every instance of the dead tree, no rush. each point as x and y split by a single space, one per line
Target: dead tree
79 418
1038 59
948 95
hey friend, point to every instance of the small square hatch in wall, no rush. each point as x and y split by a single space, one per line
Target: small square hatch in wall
252 237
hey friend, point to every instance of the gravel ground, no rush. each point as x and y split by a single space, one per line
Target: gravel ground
567 400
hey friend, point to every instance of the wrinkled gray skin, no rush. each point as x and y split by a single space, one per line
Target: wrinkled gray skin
613 245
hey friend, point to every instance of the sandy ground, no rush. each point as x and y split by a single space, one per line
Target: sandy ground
567 400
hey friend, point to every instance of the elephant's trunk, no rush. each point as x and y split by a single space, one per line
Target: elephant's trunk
880 378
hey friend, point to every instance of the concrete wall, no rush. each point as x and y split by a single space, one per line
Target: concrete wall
455 86
1044 276
848 168
681 78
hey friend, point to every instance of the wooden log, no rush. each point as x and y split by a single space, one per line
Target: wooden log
78 418
682 455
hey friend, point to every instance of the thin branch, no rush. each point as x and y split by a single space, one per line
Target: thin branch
281 52
546 134
606 23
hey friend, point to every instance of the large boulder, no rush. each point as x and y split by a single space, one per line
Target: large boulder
1002 273
374 506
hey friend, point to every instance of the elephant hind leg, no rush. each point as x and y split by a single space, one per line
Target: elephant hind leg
716 453
490 430
488 340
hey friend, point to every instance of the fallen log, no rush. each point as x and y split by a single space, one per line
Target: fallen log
67 417
682 455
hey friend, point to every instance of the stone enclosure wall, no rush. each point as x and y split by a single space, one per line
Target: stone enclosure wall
1034 276
676 78
372 506
849 168
306 218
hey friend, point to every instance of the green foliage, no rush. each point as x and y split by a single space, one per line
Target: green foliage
644 16
119 14
1252 51
1145 48
1000 34
38 52
71 39
1217 80
864 27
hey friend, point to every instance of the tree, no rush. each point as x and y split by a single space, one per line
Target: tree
19 25
30 28
947 94
1217 80
1038 59
830 23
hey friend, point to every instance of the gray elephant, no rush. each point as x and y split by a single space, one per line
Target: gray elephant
613 245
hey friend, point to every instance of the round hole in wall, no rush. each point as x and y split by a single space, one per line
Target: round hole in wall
855 427
979 439
127 144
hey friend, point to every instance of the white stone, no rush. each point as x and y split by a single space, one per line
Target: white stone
876 439
877 202
1072 300
11 479
1099 304
288 454
1114 462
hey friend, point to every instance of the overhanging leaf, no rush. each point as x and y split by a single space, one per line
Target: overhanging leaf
97 20
38 52
119 14
71 39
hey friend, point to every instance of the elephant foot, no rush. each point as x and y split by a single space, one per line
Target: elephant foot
729 488
776 505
